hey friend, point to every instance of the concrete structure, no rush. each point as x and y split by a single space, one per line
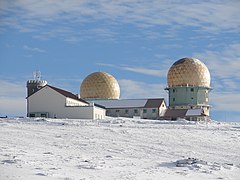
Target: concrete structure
188 87
34 85
142 108
100 85
53 102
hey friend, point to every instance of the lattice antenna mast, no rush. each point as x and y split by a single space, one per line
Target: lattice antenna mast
37 75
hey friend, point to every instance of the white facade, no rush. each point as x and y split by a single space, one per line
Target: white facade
144 113
51 103
142 108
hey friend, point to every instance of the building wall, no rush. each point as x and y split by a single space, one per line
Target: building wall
188 95
73 102
150 113
54 104
99 113
162 109
206 110
84 112
145 113
34 85
46 100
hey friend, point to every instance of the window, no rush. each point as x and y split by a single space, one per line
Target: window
192 89
173 99
144 111
174 90
163 105
117 110
135 111
32 115
43 115
126 111
154 110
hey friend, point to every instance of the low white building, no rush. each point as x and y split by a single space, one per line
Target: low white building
53 102
142 108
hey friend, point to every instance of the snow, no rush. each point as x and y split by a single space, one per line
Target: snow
118 148
194 112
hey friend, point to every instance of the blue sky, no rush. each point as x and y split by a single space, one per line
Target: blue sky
134 40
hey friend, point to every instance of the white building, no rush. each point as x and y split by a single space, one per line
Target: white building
142 108
52 102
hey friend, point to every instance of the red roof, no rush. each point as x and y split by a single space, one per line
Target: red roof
175 113
64 93
67 94
153 103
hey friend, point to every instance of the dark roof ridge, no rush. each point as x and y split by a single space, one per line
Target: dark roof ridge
140 99
152 103
67 93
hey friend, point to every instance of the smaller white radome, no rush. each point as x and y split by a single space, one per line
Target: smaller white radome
100 85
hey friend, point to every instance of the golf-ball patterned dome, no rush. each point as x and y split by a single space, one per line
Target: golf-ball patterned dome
188 72
100 85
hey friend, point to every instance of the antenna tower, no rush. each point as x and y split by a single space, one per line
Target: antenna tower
37 75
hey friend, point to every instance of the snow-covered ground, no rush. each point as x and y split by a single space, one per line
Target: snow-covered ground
118 149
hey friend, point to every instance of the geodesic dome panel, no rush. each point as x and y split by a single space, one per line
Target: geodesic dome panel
100 85
188 72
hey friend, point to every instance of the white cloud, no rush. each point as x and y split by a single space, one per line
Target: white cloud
12 98
12 106
12 89
225 101
137 89
140 70
210 16
106 65
104 33
33 49
146 71
224 66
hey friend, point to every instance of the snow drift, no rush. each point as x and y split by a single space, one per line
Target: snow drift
118 148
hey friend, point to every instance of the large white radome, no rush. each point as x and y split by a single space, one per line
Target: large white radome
188 72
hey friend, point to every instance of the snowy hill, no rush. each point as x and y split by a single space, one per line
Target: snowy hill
118 149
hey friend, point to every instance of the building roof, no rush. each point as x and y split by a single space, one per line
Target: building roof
194 112
153 103
70 95
130 103
175 113
181 113
67 94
